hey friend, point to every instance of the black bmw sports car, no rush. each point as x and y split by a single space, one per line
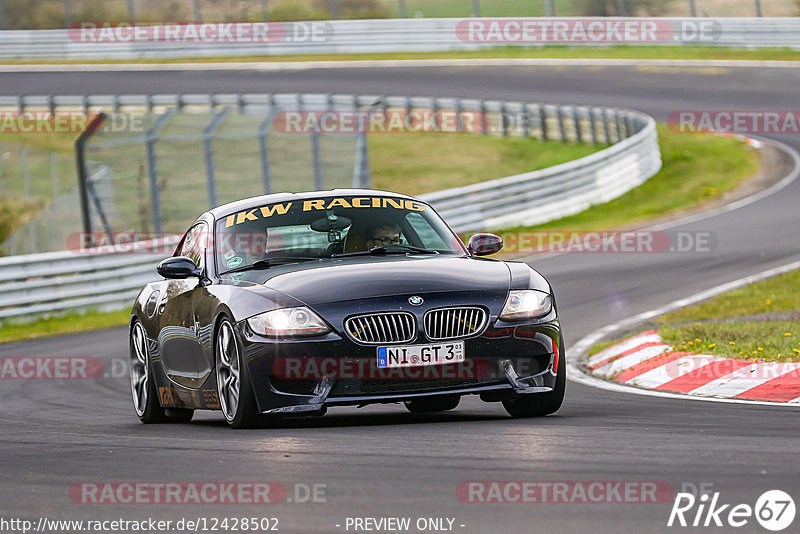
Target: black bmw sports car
288 304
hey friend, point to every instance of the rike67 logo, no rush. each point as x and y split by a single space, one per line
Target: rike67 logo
774 510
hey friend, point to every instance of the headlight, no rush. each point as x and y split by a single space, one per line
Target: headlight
526 304
288 322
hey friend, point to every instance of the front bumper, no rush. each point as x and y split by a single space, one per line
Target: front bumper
306 376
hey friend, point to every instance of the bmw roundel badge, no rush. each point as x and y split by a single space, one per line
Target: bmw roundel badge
415 300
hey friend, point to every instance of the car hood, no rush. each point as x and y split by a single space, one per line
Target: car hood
346 279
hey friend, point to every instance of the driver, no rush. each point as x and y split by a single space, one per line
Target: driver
381 234
247 246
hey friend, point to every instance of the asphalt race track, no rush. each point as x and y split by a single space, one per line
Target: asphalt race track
382 461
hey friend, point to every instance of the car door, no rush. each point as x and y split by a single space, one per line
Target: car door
181 347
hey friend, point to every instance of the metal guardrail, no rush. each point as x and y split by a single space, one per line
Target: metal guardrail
540 196
406 35
54 282
42 284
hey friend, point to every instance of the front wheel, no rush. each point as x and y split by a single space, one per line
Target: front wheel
143 388
540 404
236 397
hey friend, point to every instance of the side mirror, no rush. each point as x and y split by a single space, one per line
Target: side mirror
484 244
178 267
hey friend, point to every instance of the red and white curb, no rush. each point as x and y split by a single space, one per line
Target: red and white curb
645 361
576 363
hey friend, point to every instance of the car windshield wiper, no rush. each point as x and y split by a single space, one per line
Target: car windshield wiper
394 248
261 265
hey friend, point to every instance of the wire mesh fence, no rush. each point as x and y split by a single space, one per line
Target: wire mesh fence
22 169
50 14
158 161
185 163
166 166
35 180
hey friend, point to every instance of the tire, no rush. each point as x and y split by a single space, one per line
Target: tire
143 388
541 404
234 387
433 404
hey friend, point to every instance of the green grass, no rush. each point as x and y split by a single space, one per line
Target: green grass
769 341
463 8
63 143
735 324
25 14
573 8
20 202
775 295
697 168
740 336
603 345
399 162
418 163
501 52
66 324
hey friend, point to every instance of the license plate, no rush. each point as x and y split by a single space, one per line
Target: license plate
418 355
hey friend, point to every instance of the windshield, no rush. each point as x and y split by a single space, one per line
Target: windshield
312 229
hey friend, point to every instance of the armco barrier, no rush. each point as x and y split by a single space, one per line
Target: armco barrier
41 284
44 283
407 35
556 192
